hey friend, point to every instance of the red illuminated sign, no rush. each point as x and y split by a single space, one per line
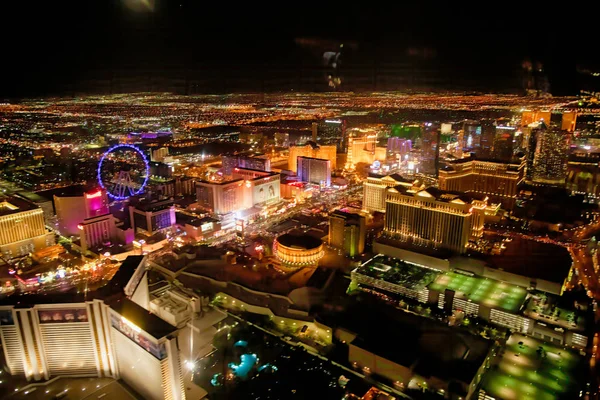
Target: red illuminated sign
94 195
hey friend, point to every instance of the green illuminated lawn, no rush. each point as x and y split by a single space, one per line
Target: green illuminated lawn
484 291
521 373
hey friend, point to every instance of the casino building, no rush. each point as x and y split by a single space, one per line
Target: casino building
249 188
22 228
433 217
497 179
110 334
375 190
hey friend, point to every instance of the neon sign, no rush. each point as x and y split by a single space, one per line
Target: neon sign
94 195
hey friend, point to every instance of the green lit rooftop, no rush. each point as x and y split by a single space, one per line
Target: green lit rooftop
523 372
398 272
488 292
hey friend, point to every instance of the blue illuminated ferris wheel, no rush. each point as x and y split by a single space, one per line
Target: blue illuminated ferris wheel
120 185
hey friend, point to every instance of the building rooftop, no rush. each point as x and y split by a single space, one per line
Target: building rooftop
33 197
512 163
395 176
143 319
550 309
262 174
427 346
261 171
67 191
220 183
113 289
398 272
122 276
534 259
348 216
440 195
525 372
201 221
299 241
313 158
485 291
154 205
12 205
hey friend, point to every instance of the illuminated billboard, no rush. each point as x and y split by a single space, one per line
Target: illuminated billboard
138 336
266 191
62 315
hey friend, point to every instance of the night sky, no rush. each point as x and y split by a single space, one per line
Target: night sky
189 46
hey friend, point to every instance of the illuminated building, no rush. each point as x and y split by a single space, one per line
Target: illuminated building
22 229
569 120
251 138
496 296
433 217
314 170
159 154
298 191
70 211
488 132
126 332
260 187
44 203
312 150
202 228
496 179
248 188
375 189
470 139
160 169
503 145
73 207
347 231
362 149
96 227
331 132
531 117
446 128
532 132
551 156
298 251
179 186
97 231
430 149
222 197
152 216
410 132
244 161
95 203
398 146
282 139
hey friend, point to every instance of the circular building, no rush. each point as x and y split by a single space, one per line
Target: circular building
298 250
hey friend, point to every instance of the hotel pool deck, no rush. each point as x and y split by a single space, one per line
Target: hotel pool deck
521 373
488 292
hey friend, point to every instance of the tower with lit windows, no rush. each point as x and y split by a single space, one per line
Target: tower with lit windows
434 218
551 156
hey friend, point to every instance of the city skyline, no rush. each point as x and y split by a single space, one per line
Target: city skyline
330 201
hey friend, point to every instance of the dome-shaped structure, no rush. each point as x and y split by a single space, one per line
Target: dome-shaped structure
298 250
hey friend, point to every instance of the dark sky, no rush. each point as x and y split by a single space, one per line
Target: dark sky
69 46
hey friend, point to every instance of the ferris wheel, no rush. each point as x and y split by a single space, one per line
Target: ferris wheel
123 171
